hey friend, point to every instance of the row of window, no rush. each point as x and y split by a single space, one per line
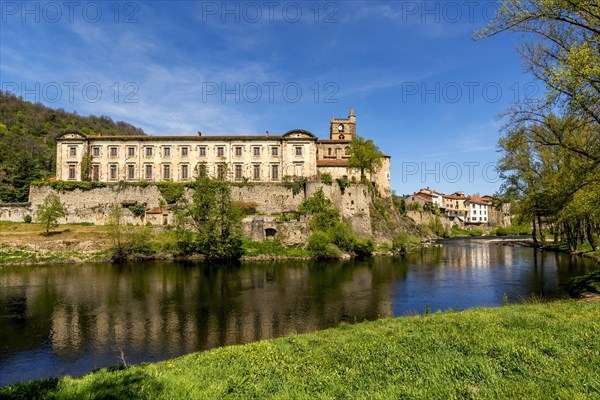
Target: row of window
477 205
474 219
482 212
113 151
148 171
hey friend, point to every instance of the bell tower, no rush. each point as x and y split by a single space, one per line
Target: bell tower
343 128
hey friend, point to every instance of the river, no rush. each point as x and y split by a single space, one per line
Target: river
70 319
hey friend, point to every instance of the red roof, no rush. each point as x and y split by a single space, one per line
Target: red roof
332 163
454 197
478 200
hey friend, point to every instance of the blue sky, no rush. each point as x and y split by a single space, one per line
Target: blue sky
421 87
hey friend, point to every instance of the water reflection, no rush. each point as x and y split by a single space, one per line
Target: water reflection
71 319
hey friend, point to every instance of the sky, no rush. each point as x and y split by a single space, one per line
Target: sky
422 88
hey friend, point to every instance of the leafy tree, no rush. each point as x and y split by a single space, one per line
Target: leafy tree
50 211
128 242
551 150
560 42
27 133
210 224
364 157
324 214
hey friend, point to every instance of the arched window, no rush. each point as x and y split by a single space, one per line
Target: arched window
347 150
329 151
341 137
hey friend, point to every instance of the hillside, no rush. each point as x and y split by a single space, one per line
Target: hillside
27 133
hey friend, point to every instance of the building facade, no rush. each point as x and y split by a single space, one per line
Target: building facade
266 158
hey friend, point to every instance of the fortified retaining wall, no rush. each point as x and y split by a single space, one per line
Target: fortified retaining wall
93 206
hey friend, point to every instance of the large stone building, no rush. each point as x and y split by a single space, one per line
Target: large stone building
266 158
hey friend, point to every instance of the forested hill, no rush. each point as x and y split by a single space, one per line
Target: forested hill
27 133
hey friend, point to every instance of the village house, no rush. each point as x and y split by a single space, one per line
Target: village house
459 208
477 210
256 158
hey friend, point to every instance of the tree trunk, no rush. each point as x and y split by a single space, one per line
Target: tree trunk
541 228
590 233
533 232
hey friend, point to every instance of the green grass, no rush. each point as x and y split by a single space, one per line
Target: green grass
587 283
539 351
22 254
456 231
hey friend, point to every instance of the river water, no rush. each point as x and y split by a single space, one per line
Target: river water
71 319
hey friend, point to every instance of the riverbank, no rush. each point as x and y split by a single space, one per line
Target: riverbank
584 251
526 351
28 244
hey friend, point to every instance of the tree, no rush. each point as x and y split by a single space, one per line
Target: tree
128 242
210 224
364 157
560 48
50 211
551 159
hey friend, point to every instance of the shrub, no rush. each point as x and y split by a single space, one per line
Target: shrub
246 207
436 226
321 247
295 184
171 191
139 210
404 242
364 247
385 247
343 183
27 219
326 178
341 235
324 214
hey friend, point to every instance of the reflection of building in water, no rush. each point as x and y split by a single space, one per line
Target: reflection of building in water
161 310
478 255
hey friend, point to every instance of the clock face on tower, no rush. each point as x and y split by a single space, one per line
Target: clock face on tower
340 128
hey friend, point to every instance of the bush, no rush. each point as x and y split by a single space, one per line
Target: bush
139 210
341 235
343 183
364 247
295 184
321 247
436 226
27 219
133 245
171 191
324 214
246 207
385 247
326 178
404 242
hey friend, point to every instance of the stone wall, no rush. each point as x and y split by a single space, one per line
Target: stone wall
267 227
93 206
15 212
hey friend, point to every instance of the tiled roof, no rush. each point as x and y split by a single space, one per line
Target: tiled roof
478 200
332 163
453 197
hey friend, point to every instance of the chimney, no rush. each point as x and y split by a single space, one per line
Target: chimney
267 134
199 133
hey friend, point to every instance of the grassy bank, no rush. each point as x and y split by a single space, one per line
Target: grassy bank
22 243
531 351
